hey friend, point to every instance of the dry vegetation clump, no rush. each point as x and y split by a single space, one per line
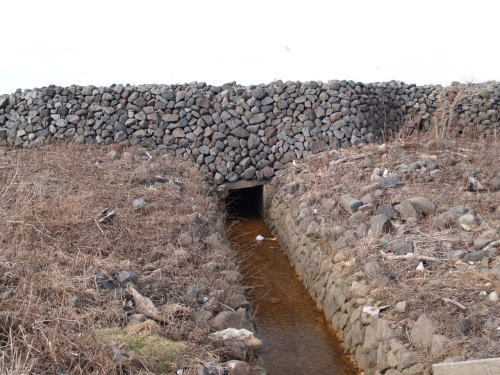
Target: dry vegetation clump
459 284
71 227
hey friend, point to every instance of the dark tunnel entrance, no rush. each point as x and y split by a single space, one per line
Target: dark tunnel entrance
245 202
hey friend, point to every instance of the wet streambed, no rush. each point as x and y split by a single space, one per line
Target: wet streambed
297 339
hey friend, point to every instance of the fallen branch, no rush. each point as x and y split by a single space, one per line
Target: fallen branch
453 302
412 256
492 244
353 157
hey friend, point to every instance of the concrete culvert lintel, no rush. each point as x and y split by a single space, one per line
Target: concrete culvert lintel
490 366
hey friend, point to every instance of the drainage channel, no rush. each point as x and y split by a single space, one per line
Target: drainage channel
297 339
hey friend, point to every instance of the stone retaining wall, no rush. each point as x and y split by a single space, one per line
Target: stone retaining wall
373 343
235 132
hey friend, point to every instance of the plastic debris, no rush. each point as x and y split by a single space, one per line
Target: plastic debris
493 297
259 238
370 310
420 267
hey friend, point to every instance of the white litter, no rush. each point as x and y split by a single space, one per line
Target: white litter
421 267
493 297
386 173
370 310
315 211
259 238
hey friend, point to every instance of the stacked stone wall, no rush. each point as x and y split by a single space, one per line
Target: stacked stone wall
237 132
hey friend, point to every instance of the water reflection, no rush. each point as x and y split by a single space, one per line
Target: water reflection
296 336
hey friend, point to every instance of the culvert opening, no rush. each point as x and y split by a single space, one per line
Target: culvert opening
297 338
246 202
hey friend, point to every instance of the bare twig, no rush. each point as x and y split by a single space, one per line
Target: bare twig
453 302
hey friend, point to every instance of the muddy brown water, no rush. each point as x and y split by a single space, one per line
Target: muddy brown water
297 339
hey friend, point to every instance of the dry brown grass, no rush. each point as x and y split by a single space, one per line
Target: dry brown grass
52 243
324 179
446 121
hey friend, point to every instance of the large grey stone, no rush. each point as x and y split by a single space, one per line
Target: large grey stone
422 332
229 319
350 203
380 224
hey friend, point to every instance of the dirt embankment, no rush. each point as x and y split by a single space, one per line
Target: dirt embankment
404 234
114 261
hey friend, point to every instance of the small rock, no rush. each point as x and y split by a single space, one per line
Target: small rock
361 230
235 367
400 246
195 217
447 218
229 319
473 184
195 292
372 268
232 277
402 306
380 224
185 239
118 356
237 300
387 210
424 205
467 222
126 277
474 256
241 335
104 283
422 331
407 210
201 316
493 296
138 203
482 242
435 174
349 203
438 345
113 155
359 289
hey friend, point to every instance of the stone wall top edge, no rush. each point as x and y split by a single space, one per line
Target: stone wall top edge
206 86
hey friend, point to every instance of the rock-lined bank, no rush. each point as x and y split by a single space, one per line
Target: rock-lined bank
401 256
241 133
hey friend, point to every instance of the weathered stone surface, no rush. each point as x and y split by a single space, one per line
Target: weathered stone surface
350 203
127 277
423 205
387 210
380 224
422 332
229 319
288 120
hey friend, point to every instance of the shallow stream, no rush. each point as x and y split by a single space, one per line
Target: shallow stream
297 339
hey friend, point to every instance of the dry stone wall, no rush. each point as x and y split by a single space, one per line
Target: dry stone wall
376 346
237 132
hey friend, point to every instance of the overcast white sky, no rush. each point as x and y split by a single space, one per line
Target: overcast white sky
145 41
